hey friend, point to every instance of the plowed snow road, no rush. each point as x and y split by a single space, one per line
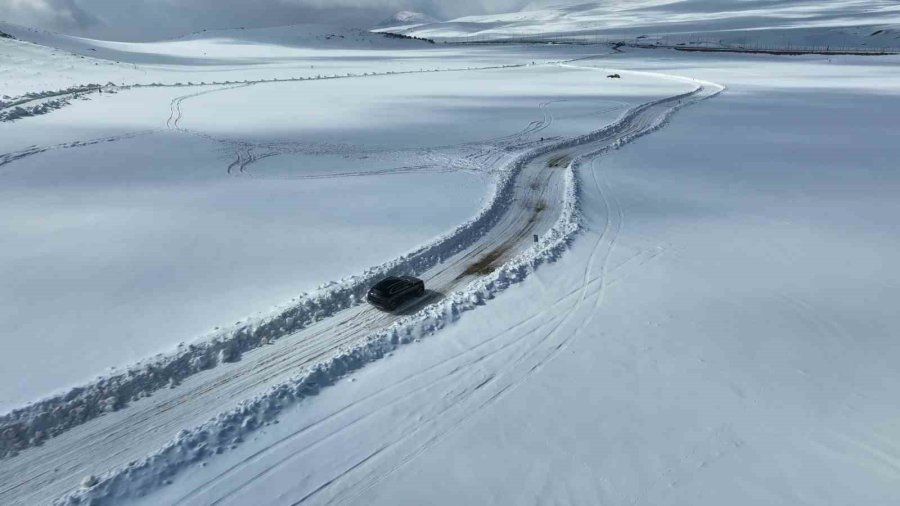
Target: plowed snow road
41 474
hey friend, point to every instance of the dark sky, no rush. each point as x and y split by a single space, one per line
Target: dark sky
155 19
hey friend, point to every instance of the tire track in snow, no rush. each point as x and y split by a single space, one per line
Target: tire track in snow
379 402
614 215
244 151
8 158
171 123
176 113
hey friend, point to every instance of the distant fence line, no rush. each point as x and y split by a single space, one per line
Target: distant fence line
685 42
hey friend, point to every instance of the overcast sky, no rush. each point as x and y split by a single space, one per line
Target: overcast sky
153 19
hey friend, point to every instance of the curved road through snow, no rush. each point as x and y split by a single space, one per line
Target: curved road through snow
40 475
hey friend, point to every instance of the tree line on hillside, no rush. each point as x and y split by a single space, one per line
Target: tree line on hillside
408 37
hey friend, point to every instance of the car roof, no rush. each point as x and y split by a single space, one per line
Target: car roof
388 283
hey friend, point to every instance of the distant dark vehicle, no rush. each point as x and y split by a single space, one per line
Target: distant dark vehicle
390 292
614 76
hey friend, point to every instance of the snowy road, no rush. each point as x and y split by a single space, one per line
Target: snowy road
41 474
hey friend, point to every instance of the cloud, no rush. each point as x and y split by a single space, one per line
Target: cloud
154 19
53 14
440 8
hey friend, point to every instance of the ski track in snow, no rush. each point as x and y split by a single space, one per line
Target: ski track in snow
192 445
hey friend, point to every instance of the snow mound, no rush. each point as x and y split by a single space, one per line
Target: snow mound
37 103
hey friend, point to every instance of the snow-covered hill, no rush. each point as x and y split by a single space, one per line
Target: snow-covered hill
216 46
408 18
835 22
40 61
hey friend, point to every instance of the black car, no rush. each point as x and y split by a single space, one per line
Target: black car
390 292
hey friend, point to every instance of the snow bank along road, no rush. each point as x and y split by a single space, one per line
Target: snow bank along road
40 474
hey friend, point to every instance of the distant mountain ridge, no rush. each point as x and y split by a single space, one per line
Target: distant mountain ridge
873 23
215 44
407 18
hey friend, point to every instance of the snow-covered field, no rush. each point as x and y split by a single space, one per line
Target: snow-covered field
721 331
143 217
705 316
43 61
